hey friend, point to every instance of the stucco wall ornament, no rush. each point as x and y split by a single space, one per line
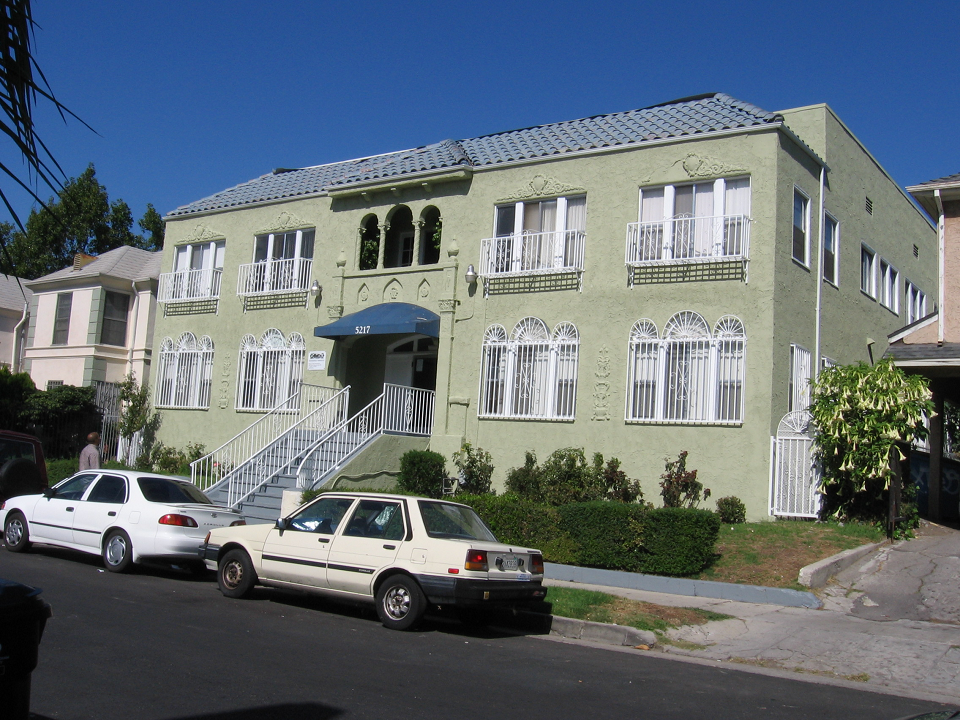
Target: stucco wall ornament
201 233
601 389
334 311
392 291
363 295
447 305
542 186
424 291
703 166
285 221
225 375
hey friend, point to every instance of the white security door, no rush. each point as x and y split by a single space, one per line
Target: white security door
796 476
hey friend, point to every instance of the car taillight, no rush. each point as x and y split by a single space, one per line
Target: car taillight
178 520
476 560
536 564
236 523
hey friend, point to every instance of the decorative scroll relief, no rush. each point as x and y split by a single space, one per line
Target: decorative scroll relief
542 186
334 311
447 305
285 221
225 376
601 388
201 233
704 166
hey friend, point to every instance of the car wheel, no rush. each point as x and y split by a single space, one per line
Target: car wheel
15 533
400 603
235 574
117 552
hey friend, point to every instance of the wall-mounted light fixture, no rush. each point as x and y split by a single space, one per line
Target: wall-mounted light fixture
315 288
471 275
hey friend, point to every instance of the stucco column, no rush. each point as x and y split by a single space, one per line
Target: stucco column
382 244
448 308
417 239
935 477
359 249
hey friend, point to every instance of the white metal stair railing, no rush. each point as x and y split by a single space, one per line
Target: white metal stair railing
399 410
287 449
216 466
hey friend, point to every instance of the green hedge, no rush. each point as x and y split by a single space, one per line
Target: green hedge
610 535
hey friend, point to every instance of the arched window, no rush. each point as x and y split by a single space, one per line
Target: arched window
531 375
369 243
430 228
398 244
269 371
688 375
185 372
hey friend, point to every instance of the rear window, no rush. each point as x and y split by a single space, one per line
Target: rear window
16 449
444 520
164 490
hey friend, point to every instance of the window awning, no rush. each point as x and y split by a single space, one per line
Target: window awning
395 318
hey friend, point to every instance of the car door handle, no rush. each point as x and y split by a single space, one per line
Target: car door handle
389 547
112 513
323 540
69 509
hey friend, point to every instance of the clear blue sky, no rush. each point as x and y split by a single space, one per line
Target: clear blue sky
190 98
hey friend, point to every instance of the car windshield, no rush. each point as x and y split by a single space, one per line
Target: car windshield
165 490
445 520
12 449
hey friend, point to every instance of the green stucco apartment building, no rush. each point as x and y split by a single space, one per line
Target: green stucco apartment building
635 284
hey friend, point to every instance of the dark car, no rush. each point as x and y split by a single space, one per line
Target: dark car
23 469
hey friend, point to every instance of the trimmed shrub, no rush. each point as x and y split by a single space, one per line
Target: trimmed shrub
731 510
518 521
476 469
605 533
678 541
422 473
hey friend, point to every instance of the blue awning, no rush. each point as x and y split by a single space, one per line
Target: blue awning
395 318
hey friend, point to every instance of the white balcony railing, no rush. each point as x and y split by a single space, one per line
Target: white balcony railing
270 277
532 253
688 239
189 285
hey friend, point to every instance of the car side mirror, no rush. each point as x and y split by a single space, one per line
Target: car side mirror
49 492
282 524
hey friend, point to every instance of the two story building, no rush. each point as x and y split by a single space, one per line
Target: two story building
636 284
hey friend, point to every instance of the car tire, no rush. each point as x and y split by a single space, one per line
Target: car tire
16 535
117 552
235 574
400 603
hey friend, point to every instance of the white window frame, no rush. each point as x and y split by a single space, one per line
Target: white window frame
801 372
868 283
269 370
532 375
889 278
719 235
278 274
916 302
830 222
185 373
688 375
187 282
798 193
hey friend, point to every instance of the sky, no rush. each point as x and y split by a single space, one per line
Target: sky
190 98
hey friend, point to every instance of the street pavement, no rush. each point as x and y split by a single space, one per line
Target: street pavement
890 622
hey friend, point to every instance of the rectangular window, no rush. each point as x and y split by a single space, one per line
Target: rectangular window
868 271
697 222
114 328
54 383
801 227
197 270
916 303
538 236
831 247
282 262
799 386
889 286
61 322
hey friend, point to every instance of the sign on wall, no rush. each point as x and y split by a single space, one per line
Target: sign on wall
317 360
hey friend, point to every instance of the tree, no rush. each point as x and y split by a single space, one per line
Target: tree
80 219
861 413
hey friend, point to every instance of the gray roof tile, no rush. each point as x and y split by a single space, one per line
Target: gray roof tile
690 116
126 262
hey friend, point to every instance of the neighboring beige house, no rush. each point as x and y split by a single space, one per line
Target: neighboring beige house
14 313
94 321
930 345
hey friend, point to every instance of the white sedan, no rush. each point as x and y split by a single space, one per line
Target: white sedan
122 515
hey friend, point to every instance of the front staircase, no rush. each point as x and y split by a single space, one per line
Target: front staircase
306 450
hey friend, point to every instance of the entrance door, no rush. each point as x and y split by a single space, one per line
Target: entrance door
796 477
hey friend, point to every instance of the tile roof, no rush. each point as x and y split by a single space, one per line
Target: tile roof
126 262
10 296
948 180
714 112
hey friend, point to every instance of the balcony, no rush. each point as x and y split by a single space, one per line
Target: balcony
274 277
189 286
529 253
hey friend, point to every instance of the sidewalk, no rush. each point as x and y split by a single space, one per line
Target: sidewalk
891 622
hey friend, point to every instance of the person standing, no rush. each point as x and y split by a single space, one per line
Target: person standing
90 455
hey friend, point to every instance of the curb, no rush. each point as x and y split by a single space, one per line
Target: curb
607 634
683 586
817 574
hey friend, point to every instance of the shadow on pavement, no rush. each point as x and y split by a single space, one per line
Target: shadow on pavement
286 711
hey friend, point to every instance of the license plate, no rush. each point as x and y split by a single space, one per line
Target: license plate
511 562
